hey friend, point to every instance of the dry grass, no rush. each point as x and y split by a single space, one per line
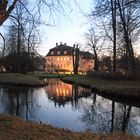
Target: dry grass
13 128
19 79
116 88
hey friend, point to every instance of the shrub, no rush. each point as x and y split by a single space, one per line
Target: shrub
106 75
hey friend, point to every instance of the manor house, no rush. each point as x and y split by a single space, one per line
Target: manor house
60 60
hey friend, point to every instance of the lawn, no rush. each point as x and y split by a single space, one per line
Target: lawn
43 75
121 89
14 128
19 80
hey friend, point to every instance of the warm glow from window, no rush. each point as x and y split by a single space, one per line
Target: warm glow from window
61 58
64 58
65 52
58 59
58 52
52 53
68 58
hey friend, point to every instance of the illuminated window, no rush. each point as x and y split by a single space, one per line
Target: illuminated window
64 58
58 59
68 58
58 52
61 58
52 53
65 52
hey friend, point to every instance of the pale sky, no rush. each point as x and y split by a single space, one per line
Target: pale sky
68 28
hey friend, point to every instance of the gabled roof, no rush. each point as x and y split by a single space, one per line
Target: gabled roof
61 48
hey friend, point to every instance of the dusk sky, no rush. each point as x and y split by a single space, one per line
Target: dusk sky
69 27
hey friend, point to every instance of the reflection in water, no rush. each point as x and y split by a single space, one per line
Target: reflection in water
61 92
17 102
70 106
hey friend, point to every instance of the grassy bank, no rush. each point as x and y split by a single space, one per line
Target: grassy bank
13 128
111 88
43 75
19 80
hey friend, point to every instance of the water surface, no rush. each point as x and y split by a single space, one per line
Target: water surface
69 106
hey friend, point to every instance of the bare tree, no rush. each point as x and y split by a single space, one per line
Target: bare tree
92 42
5 10
75 55
129 13
51 6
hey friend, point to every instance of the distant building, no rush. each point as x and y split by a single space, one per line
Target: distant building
60 60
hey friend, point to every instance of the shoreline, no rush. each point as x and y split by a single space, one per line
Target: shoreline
115 90
14 128
20 80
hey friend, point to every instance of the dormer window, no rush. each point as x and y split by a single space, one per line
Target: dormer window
58 52
65 52
52 53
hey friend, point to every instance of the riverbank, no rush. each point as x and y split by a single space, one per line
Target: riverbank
108 88
14 128
43 75
16 79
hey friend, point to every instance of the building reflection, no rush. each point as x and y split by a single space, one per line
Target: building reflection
61 92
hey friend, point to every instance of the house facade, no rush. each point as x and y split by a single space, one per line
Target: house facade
60 60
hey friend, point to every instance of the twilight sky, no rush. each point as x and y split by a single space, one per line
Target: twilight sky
69 28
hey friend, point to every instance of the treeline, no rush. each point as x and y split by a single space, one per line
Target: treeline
21 40
114 30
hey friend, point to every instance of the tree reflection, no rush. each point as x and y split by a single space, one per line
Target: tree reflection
126 117
18 102
61 93
107 116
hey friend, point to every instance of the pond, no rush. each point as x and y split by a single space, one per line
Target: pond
69 106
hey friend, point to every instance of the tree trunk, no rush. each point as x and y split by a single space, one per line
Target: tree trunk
113 9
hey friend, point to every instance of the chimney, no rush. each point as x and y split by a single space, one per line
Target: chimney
65 44
60 43
56 44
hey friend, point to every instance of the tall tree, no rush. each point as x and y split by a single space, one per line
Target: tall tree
52 6
75 55
5 10
129 13
125 22
92 41
113 11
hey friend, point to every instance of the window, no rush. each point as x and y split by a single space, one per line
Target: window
58 59
58 52
52 53
65 52
61 58
68 58
48 59
64 59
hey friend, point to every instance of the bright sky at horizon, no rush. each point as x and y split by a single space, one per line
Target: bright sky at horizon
68 28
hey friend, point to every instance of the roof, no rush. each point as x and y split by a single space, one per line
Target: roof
63 47
86 55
